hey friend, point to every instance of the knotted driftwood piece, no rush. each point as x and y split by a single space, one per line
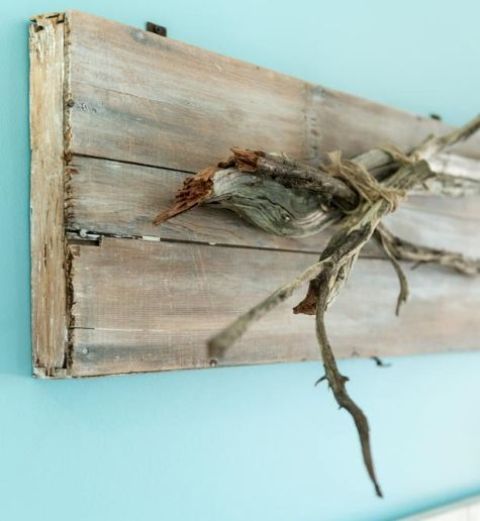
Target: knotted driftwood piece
285 197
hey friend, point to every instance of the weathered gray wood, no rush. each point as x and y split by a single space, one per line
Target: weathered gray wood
454 164
436 230
49 301
122 199
117 198
119 117
124 127
355 125
143 306
156 101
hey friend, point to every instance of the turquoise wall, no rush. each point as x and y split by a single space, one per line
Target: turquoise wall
256 443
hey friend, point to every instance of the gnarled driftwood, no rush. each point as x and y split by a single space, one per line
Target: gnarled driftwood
284 197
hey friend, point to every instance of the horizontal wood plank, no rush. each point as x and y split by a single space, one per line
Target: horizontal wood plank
439 230
354 125
154 101
145 99
143 306
122 199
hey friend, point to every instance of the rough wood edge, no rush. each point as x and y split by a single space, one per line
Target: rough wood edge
49 268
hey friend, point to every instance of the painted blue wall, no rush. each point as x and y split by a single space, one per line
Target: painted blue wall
257 443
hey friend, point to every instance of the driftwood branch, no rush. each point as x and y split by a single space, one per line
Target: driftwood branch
387 247
336 380
436 144
286 197
407 251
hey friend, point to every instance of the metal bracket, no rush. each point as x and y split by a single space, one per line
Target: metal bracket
157 29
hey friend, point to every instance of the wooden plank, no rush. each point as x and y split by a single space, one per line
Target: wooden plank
145 306
155 101
160 133
49 288
454 164
160 102
122 199
355 125
439 230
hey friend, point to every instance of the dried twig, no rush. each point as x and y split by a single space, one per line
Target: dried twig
336 380
402 278
407 251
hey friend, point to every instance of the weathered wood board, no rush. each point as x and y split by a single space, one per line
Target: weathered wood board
119 199
124 323
119 118
49 278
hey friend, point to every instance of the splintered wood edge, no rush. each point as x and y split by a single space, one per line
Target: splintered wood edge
50 259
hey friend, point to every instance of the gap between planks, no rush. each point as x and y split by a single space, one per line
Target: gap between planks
115 199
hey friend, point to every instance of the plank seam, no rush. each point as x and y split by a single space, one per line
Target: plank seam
95 237
134 163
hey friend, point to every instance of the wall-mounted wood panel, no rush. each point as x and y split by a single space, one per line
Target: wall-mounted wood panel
132 115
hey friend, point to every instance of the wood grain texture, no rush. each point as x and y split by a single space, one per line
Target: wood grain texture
447 231
120 199
144 306
355 125
455 164
160 102
49 315
115 129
